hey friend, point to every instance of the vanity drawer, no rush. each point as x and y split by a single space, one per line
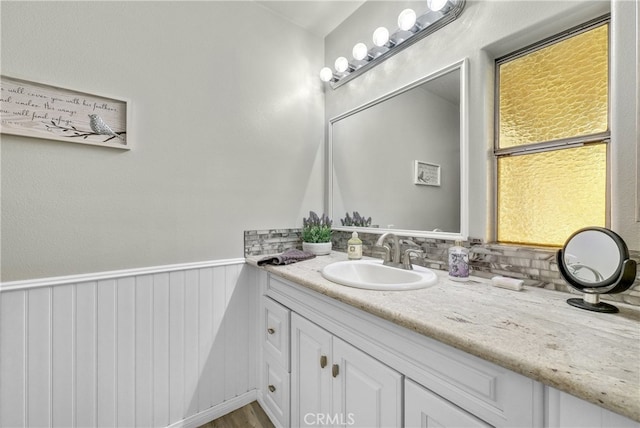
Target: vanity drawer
276 331
276 390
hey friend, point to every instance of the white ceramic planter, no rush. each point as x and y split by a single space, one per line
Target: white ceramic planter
317 248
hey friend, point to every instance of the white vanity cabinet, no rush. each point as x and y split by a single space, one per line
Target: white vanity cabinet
275 382
424 409
564 410
373 357
335 384
387 375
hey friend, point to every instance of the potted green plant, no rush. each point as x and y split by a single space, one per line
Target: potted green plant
316 234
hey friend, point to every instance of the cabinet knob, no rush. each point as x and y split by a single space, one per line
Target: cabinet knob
271 330
272 388
335 370
323 361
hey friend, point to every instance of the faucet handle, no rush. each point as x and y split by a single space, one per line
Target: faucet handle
387 252
406 259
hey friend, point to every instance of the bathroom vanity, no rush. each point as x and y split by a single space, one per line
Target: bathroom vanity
459 354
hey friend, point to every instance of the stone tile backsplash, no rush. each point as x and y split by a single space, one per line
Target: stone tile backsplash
536 266
273 241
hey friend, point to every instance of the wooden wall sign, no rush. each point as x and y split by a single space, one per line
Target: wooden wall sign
42 111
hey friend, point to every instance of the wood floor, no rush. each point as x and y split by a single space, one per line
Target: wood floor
249 416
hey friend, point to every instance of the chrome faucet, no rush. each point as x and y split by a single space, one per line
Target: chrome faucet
395 259
406 259
390 259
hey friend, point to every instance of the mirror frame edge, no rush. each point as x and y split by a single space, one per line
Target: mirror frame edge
463 66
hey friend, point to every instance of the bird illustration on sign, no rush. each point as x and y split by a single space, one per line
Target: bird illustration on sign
98 127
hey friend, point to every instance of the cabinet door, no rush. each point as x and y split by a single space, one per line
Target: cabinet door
366 393
565 410
276 391
423 408
310 373
275 337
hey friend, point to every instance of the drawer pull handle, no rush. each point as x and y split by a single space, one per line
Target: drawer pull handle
323 361
272 388
271 330
335 370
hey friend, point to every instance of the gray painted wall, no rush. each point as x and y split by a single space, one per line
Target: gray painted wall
227 134
487 30
227 124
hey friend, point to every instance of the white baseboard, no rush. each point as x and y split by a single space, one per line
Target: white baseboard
215 412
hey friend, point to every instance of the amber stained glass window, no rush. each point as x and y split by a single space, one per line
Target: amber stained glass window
545 197
559 91
555 92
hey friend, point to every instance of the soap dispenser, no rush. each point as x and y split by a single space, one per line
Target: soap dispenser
458 262
354 247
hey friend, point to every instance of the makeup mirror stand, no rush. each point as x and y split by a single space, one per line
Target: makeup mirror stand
591 302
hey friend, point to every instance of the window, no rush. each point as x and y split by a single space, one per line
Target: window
552 136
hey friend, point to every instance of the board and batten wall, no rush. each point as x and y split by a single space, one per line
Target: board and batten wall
167 346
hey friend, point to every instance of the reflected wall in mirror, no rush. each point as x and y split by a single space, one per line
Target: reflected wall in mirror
373 151
593 256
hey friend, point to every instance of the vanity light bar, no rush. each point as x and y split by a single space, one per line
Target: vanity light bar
411 28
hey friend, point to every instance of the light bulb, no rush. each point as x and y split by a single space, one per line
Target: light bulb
380 36
326 74
342 64
407 19
436 5
360 51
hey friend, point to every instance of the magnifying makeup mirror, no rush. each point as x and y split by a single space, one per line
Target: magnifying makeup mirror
595 261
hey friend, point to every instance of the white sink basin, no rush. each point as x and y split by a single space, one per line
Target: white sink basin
373 275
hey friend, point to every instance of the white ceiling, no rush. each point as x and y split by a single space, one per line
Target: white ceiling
319 17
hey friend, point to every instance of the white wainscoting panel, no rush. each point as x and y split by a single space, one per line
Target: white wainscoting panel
140 348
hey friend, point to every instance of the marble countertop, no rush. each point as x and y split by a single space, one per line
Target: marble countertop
533 332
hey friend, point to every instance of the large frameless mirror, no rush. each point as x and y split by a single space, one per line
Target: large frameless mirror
402 159
596 261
